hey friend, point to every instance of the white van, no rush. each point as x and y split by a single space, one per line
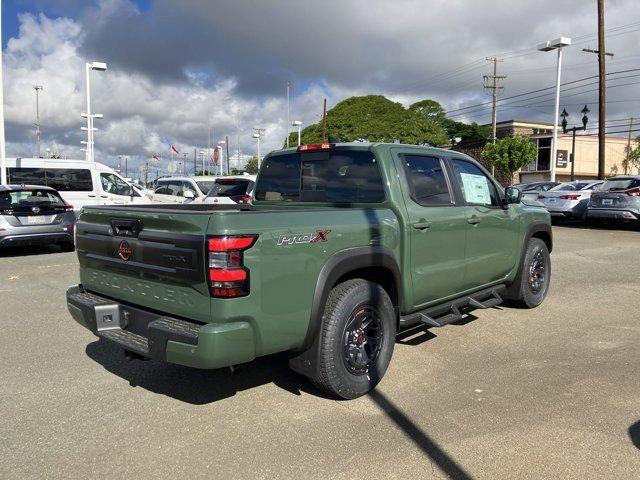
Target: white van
79 182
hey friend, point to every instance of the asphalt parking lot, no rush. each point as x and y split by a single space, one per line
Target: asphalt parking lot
547 393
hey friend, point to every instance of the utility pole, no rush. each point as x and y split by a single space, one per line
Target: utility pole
491 83
626 162
37 88
195 167
601 91
324 121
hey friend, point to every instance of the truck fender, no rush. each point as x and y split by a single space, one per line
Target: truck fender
336 267
539 229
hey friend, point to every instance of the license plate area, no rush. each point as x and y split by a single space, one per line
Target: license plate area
607 201
36 219
107 317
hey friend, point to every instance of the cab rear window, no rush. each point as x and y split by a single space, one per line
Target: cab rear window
336 176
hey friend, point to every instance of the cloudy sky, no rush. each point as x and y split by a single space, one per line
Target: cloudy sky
179 67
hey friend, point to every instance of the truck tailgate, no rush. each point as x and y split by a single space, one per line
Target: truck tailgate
153 258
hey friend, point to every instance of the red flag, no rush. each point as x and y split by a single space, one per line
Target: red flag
155 158
174 150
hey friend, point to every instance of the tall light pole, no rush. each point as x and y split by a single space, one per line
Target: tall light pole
37 88
221 144
547 46
259 132
297 123
101 67
288 114
3 161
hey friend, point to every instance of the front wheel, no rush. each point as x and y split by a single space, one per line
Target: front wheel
532 286
357 339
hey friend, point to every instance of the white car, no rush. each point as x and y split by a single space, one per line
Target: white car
79 182
204 189
232 189
569 199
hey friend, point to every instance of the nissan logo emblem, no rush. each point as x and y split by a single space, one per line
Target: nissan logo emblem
124 250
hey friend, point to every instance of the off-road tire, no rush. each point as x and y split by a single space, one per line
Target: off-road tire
524 292
345 302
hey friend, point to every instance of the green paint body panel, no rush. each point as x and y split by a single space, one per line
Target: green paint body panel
449 259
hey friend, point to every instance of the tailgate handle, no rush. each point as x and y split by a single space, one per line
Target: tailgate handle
125 227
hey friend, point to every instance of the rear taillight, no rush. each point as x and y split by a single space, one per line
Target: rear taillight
540 197
241 198
570 196
228 277
634 192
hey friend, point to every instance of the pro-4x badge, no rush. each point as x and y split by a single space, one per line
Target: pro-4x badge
292 238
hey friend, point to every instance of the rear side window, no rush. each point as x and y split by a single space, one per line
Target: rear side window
62 179
337 176
427 180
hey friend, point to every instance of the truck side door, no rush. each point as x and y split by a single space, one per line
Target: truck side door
436 227
492 249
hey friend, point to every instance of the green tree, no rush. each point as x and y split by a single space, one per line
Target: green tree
633 160
468 133
374 118
510 154
252 165
430 109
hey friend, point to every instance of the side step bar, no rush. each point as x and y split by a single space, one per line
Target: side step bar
449 312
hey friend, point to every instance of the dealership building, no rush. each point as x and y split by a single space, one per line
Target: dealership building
586 152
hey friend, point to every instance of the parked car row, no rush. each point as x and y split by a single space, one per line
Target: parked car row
44 196
617 198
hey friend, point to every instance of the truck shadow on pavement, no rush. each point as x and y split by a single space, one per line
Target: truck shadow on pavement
199 387
634 434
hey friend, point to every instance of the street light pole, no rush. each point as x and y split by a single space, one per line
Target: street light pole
554 141
100 66
556 44
3 161
259 132
585 120
297 123
37 88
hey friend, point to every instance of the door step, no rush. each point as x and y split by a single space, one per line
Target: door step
449 312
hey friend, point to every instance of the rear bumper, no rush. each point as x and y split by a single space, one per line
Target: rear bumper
161 337
613 214
35 239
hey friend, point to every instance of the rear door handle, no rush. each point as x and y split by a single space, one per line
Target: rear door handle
92 195
422 225
104 196
474 220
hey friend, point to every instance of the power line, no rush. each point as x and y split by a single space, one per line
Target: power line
541 90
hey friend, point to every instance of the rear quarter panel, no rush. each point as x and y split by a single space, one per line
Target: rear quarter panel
283 275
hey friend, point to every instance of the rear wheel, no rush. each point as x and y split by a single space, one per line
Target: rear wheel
535 277
357 339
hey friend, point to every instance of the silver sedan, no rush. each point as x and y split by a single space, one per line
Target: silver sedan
35 215
569 199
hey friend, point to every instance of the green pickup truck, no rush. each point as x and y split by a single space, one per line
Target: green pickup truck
344 245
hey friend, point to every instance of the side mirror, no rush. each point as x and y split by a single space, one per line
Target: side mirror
512 195
188 194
